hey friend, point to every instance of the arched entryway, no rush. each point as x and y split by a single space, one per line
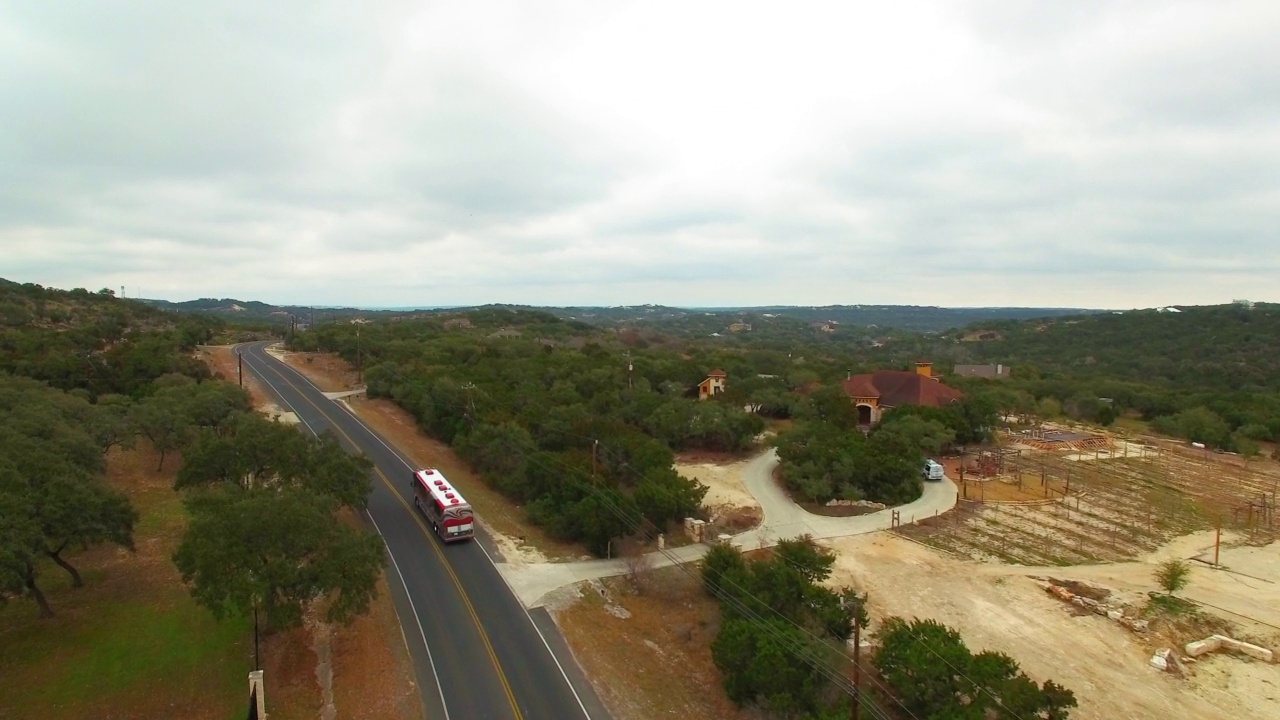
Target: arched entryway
864 414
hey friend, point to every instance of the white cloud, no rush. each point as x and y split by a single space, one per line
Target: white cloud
400 153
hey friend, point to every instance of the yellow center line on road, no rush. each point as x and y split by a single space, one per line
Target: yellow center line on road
431 540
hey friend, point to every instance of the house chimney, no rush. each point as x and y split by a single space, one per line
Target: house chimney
848 374
924 368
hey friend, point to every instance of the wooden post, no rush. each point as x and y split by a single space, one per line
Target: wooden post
240 368
855 712
257 695
1217 542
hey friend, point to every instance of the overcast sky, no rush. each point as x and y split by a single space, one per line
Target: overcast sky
380 153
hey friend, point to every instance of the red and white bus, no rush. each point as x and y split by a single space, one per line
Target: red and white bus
450 515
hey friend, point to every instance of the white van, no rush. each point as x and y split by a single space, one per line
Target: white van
932 470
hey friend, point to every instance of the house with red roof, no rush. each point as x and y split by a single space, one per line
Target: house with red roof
874 393
713 385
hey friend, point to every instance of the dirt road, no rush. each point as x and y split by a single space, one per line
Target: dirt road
999 607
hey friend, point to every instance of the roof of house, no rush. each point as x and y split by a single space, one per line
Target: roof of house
983 371
901 387
717 373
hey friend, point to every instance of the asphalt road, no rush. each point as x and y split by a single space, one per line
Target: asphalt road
476 652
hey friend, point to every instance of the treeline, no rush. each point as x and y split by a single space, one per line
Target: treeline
553 417
53 450
264 499
53 496
580 425
95 342
1208 374
782 649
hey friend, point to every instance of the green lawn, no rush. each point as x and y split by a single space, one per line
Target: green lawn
114 657
131 643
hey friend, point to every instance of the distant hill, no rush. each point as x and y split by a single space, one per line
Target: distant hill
692 321
917 318
253 311
94 341
34 306
1211 346
912 318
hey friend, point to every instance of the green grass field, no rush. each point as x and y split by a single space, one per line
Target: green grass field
117 657
131 643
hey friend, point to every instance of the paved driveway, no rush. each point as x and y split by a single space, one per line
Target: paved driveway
783 519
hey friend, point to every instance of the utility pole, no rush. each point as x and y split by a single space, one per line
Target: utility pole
594 444
240 368
855 712
257 664
359 358
629 369
471 403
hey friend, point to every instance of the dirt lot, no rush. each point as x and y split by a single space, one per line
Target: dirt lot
999 607
653 658
723 478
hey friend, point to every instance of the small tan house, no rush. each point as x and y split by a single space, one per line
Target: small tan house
713 385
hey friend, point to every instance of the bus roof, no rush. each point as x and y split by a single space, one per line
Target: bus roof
444 493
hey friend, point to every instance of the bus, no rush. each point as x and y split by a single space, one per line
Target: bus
449 514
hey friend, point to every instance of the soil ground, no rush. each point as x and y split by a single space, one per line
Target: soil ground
369 675
999 607
731 508
722 474
654 659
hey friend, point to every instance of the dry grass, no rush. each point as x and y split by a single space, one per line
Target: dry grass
372 675
222 362
1008 488
657 662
